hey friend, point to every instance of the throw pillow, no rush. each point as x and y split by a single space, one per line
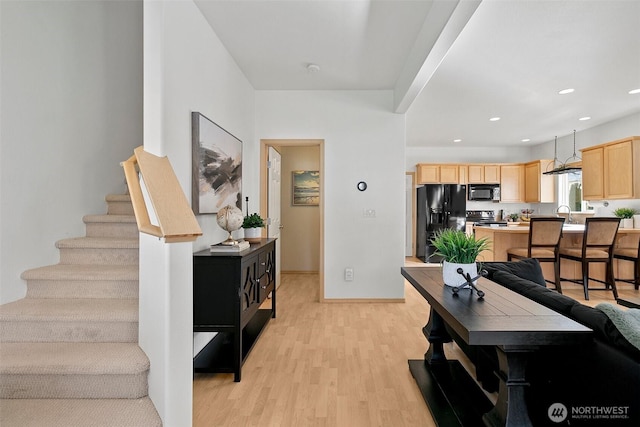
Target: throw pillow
627 321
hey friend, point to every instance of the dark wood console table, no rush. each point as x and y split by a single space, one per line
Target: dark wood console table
228 291
514 324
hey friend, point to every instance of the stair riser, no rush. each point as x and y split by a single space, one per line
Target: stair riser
82 289
70 386
112 229
99 256
78 331
119 208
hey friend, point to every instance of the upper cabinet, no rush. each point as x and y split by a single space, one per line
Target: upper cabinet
612 170
483 174
512 183
539 188
437 173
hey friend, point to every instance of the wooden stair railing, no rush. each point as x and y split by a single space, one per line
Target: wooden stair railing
176 221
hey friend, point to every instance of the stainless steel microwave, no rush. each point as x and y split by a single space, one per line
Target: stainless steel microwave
484 192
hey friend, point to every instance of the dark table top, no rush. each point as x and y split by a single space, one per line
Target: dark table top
503 317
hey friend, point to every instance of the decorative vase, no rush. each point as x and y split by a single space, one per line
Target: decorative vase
626 223
636 221
451 276
253 235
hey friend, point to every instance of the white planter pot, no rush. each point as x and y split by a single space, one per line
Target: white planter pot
253 234
626 223
636 221
451 276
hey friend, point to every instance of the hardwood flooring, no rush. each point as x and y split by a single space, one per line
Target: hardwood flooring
333 364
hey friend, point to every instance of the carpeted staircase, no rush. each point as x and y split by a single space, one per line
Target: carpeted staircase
69 353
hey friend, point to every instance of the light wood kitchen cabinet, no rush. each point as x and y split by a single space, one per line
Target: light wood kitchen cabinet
593 174
612 170
512 183
437 173
483 174
462 174
538 188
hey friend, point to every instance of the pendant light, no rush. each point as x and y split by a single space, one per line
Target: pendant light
563 168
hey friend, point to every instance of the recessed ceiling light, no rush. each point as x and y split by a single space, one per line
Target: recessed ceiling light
634 91
582 119
457 140
565 91
526 140
494 119
313 68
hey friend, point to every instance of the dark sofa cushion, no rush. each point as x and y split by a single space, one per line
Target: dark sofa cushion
528 268
542 295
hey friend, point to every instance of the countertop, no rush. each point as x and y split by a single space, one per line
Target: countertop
567 228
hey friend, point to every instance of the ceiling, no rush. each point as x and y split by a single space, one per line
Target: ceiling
452 65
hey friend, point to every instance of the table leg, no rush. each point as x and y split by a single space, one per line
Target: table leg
437 335
510 409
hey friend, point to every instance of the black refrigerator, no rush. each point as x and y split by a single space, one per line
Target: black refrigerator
439 206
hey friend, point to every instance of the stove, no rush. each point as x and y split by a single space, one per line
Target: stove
484 218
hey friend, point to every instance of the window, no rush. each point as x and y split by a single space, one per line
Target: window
570 192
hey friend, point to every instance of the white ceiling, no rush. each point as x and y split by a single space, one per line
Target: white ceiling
509 60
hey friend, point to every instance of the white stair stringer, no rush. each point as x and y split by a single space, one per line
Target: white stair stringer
69 353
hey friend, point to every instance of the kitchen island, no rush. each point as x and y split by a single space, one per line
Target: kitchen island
503 238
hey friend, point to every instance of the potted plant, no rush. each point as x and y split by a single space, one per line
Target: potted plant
626 215
252 225
459 250
513 217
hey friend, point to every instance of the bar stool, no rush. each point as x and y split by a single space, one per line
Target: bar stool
597 246
633 255
544 245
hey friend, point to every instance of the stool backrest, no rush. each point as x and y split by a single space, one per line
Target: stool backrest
600 233
545 232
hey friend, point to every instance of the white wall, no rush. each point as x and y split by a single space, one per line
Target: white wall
364 141
71 112
452 154
186 69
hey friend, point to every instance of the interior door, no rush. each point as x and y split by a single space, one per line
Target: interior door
273 215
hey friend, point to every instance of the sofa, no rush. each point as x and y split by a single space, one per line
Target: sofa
593 384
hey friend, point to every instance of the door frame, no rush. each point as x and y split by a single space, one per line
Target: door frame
264 187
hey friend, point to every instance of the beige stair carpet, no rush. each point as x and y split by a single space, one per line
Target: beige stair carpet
69 353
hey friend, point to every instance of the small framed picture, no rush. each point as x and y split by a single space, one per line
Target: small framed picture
305 188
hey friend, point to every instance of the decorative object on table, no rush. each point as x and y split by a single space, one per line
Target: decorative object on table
305 188
239 246
470 282
513 217
525 215
459 251
253 225
216 166
636 221
229 218
626 216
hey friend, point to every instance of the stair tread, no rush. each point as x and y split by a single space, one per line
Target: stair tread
118 198
79 412
82 272
97 243
71 309
117 218
24 358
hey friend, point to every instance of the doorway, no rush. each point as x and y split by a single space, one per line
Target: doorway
287 148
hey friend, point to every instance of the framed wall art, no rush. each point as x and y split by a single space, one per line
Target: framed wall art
305 188
216 168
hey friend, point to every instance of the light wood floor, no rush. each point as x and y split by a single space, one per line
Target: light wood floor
333 364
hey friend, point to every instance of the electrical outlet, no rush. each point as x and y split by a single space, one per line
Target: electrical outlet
369 213
348 274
